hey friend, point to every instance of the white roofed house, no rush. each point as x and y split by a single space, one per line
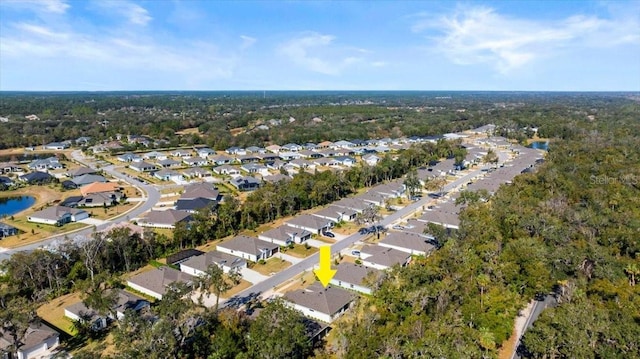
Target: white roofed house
285 235
291 147
311 223
168 163
205 152
316 302
371 159
255 168
196 172
227 170
197 265
182 153
336 214
58 215
153 155
249 248
129 157
51 163
195 161
167 175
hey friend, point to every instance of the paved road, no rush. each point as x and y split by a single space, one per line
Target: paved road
538 308
308 263
152 197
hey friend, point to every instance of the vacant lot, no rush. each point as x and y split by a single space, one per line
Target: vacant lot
53 312
300 251
273 265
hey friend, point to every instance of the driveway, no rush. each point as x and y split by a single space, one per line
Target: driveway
316 243
289 258
93 221
252 276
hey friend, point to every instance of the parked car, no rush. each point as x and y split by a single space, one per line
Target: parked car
398 227
355 252
363 230
329 234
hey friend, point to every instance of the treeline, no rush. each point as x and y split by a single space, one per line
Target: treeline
377 115
570 229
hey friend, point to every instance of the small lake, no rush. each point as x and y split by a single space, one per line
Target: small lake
13 205
540 145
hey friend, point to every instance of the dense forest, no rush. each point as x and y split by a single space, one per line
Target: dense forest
226 119
572 228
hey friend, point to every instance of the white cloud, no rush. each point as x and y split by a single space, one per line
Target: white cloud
247 41
318 53
134 13
39 6
480 35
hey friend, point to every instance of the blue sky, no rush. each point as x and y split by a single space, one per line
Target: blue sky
319 45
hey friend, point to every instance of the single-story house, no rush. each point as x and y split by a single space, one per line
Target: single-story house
354 277
382 258
245 183
56 146
255 168
205 152
129 157
390 190
195 204
153 155
267 157
336 214
132 229
291 147
168 163
101 199
408 242
167 175
38 339
346 160
227 170
343 144
98 187
80 171
86 179
195 161
58 215
124 301
197 265
236 151
51 163
276 164
248 158
142 166
355 204
181 153
249 248
316 302
311 223
7 230
196 172
9 167
201 190
164 219
372 198
284 235
82 140
156 282
324 144
273 148
221 160
288 156
256 149
36 177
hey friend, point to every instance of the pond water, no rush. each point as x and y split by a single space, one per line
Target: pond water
540 145
13 205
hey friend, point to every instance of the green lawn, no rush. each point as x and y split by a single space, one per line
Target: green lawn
300 251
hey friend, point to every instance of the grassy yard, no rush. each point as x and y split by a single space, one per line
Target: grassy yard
346 228
301 281
237 289
325 239
53 312
111 212
300 251
40 231
273 265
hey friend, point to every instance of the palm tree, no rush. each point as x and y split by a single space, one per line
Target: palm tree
632 270
215 281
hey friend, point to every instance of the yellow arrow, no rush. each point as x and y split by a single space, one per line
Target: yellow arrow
324 272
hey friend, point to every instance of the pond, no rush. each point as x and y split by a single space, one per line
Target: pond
540 145
13 205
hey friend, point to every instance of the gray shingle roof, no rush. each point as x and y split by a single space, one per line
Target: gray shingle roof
353 273
169 217
203 261
248 244
325 300
157 280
